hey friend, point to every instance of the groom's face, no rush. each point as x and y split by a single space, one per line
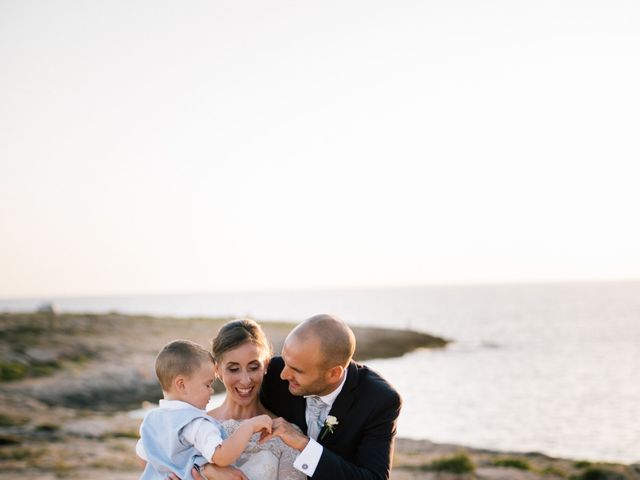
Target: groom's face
303 367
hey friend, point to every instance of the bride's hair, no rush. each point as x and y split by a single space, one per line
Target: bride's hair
236 333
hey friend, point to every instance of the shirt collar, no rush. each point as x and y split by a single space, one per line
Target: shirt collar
175 405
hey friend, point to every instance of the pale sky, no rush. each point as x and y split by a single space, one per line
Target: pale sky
156 146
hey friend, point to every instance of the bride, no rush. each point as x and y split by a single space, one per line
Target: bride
241 352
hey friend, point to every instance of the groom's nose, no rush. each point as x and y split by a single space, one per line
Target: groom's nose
285 374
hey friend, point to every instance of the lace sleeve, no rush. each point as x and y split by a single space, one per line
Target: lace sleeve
286 471
272 460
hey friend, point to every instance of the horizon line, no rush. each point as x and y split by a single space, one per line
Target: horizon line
452 284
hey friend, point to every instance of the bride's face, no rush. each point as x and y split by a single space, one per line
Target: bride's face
242 371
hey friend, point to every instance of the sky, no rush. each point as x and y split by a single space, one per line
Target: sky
157 146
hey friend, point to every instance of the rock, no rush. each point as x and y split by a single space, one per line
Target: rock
88 428
47 307
42 355
109 388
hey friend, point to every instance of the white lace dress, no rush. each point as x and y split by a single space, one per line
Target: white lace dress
272 460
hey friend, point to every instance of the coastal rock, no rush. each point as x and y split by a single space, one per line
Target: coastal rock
50 308
94 427
110 388
42 355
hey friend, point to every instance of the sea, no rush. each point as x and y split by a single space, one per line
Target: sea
550 368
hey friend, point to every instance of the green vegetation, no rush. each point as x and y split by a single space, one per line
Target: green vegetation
518 463
9 440
125 434
553 472
582 464
12 371
600 474
12 420
14 454
48 427
21 331
459 463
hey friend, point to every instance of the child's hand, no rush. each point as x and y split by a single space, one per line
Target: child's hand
261 422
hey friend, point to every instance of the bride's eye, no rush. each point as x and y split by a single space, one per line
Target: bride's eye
254 366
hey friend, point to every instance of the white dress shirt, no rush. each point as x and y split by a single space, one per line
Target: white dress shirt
308 460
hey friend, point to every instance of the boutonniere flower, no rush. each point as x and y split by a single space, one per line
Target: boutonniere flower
329 425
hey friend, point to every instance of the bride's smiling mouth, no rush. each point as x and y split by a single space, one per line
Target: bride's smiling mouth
244 392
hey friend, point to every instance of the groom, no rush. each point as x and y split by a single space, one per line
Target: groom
347 413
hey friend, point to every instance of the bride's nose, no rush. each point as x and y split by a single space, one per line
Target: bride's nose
245 378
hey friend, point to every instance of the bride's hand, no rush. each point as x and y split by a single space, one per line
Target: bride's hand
288 433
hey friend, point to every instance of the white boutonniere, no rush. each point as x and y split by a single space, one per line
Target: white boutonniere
329 425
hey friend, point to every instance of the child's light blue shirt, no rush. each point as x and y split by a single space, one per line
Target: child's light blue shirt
171 435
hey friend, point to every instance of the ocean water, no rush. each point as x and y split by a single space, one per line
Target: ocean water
551 368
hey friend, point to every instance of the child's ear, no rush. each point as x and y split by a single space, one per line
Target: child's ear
179 383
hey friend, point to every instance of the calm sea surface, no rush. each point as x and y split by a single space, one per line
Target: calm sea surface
550 368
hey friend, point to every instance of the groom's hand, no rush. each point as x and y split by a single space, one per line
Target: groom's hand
212 472
288 433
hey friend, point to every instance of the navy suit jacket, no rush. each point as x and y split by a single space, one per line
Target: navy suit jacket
367 409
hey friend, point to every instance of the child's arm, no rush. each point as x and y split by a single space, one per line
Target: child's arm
229 450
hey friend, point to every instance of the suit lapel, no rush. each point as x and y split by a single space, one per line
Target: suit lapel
342 404
300 419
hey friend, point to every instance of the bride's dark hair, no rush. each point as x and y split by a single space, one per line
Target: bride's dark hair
236 333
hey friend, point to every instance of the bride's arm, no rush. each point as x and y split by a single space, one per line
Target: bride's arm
213 472
288 455
285 466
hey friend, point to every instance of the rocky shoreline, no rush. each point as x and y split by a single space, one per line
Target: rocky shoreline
69 380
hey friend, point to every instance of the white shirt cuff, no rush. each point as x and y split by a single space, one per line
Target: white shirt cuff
308 460
140 451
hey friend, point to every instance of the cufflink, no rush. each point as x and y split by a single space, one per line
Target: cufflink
305 466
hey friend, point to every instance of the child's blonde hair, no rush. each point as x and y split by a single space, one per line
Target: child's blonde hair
179 357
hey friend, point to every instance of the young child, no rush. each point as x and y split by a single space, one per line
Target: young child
179 434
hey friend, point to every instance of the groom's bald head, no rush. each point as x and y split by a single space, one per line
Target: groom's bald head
336 340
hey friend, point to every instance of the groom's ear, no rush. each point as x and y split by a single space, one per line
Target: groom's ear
335 373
